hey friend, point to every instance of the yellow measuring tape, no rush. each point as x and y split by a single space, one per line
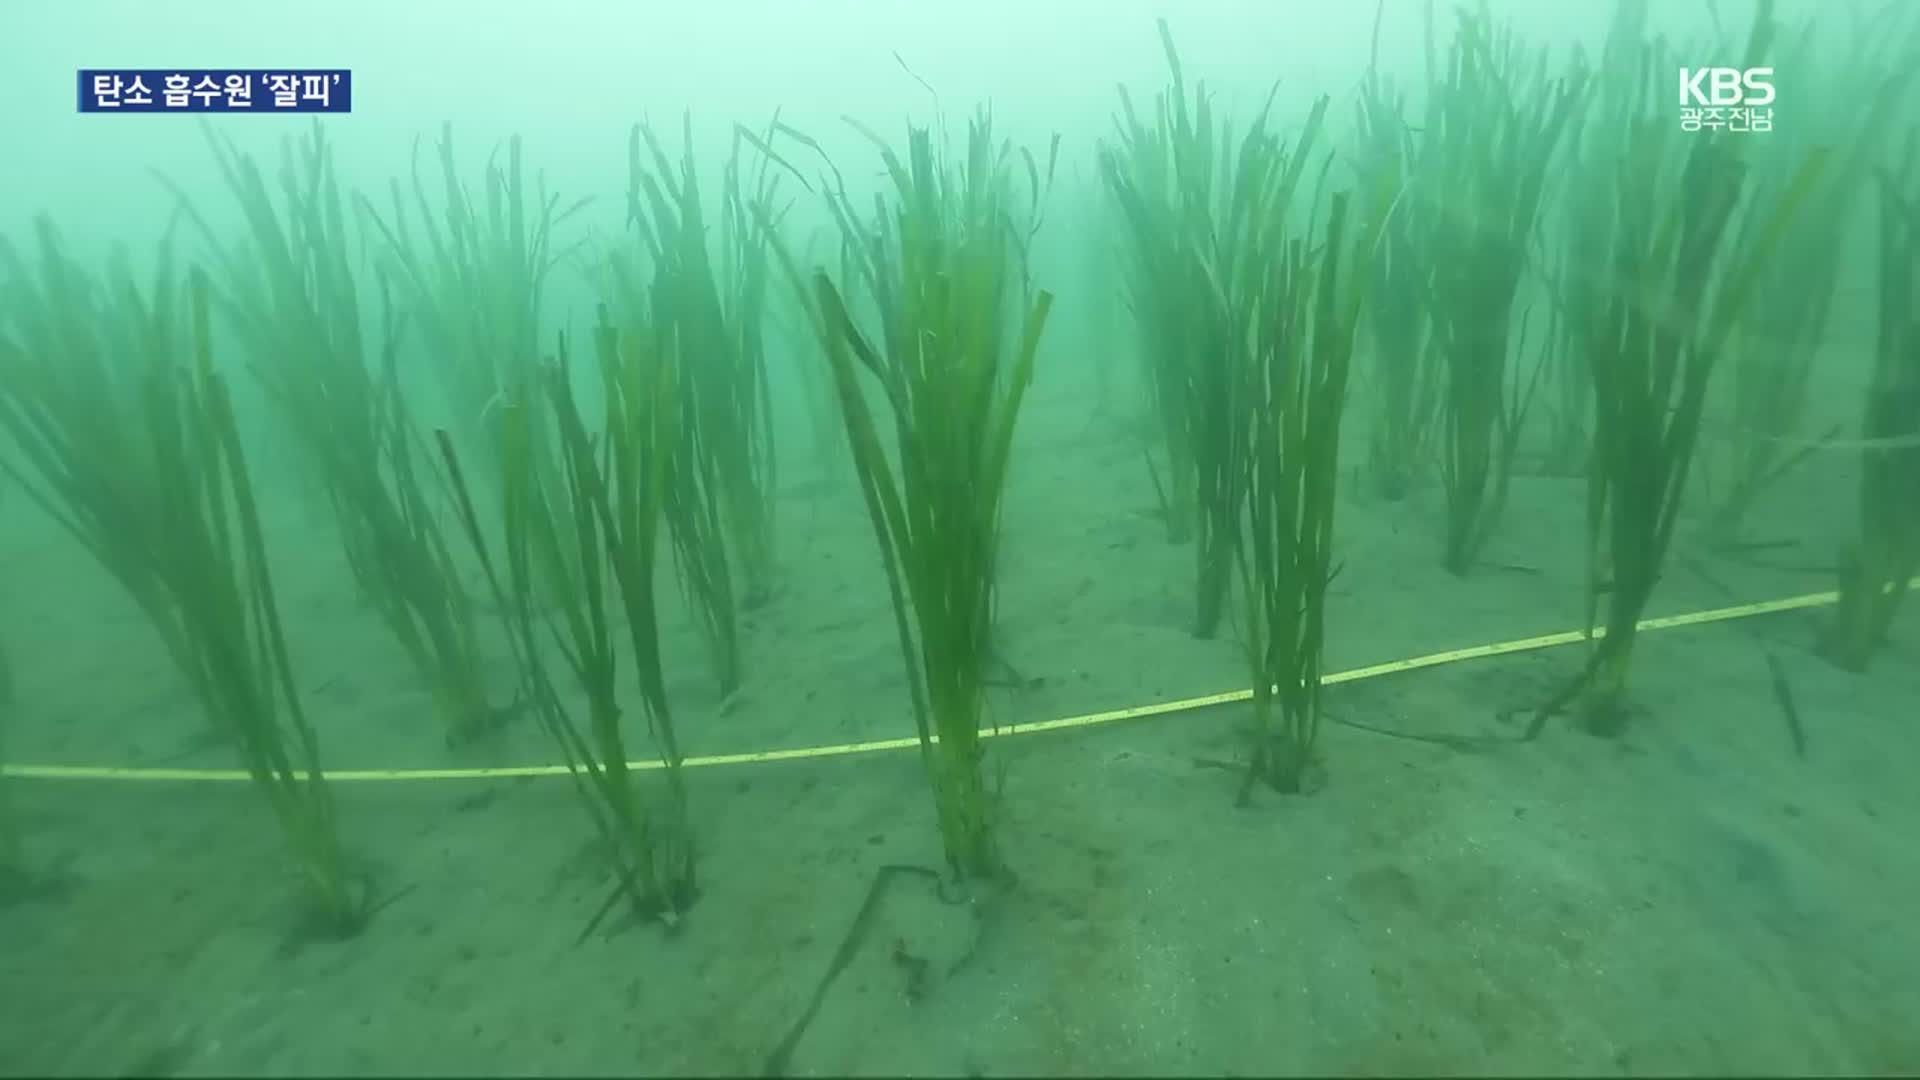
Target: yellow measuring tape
1502 648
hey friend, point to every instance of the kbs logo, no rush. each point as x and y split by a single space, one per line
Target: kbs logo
1722 87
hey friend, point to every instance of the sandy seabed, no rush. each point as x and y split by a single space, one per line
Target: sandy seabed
1692 897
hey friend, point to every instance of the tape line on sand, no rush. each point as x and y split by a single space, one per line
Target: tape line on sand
1392 667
